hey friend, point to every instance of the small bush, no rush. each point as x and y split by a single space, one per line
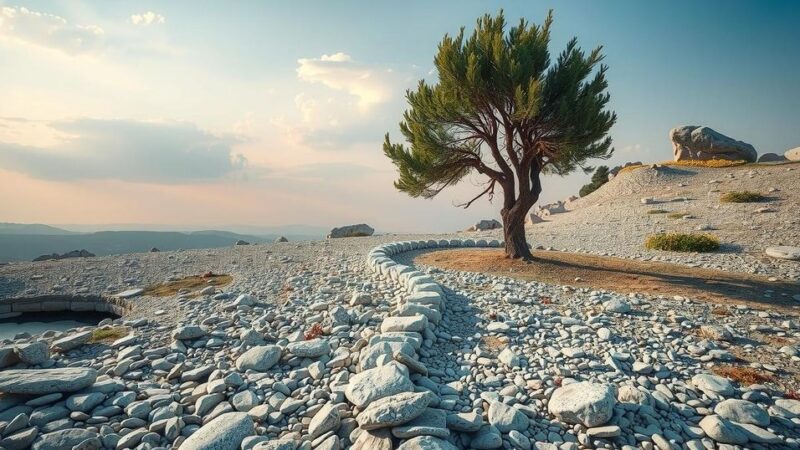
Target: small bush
742 197
314 332
677 215
657 211
680 242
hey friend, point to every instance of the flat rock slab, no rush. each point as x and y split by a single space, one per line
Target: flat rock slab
377 383
784 252
394 410
591 404
129 293
46 381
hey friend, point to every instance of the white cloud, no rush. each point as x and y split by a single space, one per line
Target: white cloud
157 152
371 85
147 18
48 30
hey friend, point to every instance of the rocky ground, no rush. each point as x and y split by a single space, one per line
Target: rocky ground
345 344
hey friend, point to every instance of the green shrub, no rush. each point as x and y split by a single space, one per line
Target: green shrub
742 197
677 215
599 178
682 242
657 211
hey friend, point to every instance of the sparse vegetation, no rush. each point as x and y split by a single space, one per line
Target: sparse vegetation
744 375
712 163
742 197
314 332
108 334
599 178
682 242
191 283
657 211
677 215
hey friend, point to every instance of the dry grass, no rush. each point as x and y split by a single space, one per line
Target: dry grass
720 311
742 197
682 242
657 211
191 283
743 374
493 343
711 163
108 334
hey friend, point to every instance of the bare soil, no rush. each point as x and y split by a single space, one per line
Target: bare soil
622 275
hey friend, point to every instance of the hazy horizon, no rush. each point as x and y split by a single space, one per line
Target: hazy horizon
203 114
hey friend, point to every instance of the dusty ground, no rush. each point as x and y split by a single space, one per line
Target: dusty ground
624 276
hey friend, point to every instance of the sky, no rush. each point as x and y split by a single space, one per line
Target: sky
205 113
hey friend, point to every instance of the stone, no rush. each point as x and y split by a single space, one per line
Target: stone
351 231
425 443
590 404
394 410
509 358
713 384
703 143
281 239
260 359
792 154
33 353
188 332
276 444
716 332
313 348
129 293
226 432
377 383
722 430
71 342
742 411
380 439
485 225
519 440
617 305
46 381
432 422
771 157
468 422
414 323
325 420
63 439
784 252
506 418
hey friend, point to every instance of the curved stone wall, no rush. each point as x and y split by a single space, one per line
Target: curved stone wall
55 303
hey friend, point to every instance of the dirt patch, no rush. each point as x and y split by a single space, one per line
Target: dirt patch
744 375
622 275
192 283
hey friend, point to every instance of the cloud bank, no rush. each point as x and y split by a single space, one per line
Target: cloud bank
154 152
147 18
49 31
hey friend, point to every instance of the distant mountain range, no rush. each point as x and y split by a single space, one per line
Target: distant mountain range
24 242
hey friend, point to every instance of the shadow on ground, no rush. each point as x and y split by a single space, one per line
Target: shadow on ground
623 275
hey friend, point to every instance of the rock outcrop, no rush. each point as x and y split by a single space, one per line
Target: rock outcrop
485 224
702 143
361 229
83 253
792 154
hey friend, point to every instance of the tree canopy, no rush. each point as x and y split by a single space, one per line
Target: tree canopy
501 108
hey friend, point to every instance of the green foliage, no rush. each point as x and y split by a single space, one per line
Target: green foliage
599 178
682 242
499 92
742 197
677 215
657 211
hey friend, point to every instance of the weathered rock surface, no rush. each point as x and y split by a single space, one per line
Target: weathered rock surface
46 381
226 432
586 403
703 143
351 231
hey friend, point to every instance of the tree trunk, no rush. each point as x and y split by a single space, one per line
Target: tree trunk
514 234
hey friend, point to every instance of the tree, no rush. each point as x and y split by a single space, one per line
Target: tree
599 178
501 109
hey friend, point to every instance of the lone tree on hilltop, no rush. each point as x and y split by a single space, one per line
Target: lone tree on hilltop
499 93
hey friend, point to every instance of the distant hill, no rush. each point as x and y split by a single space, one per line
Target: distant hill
31 228
25 246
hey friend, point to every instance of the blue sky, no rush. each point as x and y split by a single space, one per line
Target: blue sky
275 111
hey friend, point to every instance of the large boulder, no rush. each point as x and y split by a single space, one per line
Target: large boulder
485 225
46 381
361 229
83 253
590 404
792 154
260 358
702 143
377 383
226 432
